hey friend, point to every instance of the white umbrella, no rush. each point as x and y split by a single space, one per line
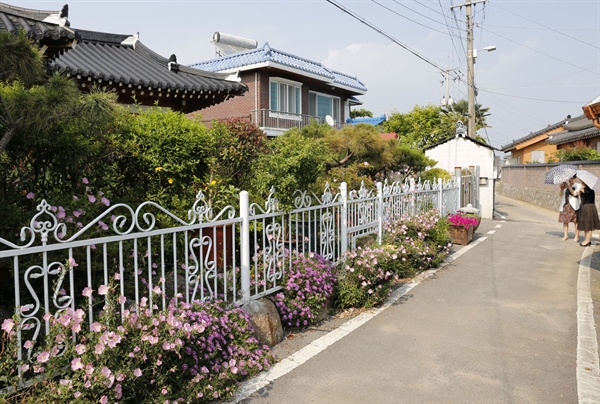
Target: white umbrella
590 179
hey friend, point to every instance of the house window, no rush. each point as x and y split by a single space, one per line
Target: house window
322 105
538 156
285 96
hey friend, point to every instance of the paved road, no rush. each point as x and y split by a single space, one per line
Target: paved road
498 324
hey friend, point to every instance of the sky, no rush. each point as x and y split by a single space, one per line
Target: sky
546 64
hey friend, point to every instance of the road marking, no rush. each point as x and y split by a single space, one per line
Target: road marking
588 370
290 363
491 232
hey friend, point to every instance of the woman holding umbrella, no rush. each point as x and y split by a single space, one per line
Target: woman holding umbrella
568 210
587 215
564 174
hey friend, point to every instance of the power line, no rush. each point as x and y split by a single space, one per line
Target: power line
540 52
547 27
406 18
533 99
379 30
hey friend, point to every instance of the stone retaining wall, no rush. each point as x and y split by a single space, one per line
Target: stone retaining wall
525 182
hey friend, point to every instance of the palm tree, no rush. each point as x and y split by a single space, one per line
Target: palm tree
460 111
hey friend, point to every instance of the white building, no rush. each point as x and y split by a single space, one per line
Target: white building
463 152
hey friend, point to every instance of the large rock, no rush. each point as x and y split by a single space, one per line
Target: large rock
266 321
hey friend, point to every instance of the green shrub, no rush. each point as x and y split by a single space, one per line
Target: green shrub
578 153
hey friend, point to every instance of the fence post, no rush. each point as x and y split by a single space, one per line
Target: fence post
379 212
245 246
413 198
344 224
458 176
440 196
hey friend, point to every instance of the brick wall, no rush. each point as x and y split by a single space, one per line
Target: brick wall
525 182
237 106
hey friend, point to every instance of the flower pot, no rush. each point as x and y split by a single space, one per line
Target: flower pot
460 234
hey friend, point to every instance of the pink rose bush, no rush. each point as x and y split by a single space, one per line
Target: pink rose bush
187 353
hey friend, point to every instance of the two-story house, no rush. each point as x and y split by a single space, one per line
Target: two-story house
284 90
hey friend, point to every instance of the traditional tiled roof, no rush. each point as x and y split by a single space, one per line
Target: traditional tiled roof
532 135
120 63
448 139
578 128
49 28
124 63
267 56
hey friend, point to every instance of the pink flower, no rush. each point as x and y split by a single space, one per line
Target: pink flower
76 364
85 180
102 225
117 276
122 299
80 349
157 290
164 391
30 195
106 372
87 292
105 201
103 290
8 324
77 394
137 372
43 357
91 198
72 262
103 400
118 392
28 344
96 326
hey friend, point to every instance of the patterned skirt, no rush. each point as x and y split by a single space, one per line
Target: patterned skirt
568 214
587 217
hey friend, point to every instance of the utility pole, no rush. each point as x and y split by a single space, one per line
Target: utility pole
470 66
447 100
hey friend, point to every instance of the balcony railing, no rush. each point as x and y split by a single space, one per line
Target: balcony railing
277 120
266 118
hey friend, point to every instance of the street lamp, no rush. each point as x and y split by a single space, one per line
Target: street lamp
487 48
471 56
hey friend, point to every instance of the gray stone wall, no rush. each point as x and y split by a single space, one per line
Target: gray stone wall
525 182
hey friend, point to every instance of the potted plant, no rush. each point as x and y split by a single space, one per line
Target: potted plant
462 227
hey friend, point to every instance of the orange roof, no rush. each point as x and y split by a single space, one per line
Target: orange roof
389 136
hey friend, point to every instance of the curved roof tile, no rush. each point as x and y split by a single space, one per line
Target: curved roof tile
108 57
267 54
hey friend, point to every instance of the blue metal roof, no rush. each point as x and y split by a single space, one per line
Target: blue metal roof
286 60
373 121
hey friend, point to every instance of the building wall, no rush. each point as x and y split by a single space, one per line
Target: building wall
463 153
239 106
257 96
524 154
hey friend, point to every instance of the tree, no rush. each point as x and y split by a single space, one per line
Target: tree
460 111
361 112
294 162
421 127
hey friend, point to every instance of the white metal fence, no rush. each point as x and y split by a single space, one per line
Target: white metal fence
235 255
